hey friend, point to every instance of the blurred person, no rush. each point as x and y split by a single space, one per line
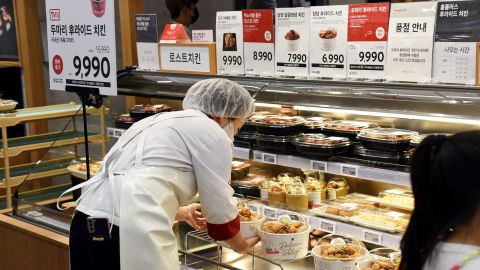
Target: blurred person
444 229
183 12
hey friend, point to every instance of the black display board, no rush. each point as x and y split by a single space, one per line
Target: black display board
8 33
458 21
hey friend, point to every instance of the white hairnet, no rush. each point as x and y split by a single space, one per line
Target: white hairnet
219 97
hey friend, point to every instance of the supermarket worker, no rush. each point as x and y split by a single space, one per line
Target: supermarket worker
156 167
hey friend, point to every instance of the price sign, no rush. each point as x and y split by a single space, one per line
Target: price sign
269 158
349 170
147 41
367 41
81 45
258 37
270 213
292 41
320 166
328 41
328 226
410 42
229 36
456 34
372 237
258 156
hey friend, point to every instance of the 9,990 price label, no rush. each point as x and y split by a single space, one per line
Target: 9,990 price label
232 60
91 67
371 57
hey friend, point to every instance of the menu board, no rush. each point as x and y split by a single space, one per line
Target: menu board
456 34
258 38
410 41
367 41
147 41
328 41
230 43
292 41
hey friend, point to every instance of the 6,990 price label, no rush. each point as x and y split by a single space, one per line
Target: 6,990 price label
91 66
333 58
232 60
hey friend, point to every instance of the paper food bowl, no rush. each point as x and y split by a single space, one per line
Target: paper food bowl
292 45
249 228
322 262
8 106
285 246
328 44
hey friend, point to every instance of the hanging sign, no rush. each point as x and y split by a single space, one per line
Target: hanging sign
367 41
328 41
81 45
292 41
229 38
258 37
410 41
457 31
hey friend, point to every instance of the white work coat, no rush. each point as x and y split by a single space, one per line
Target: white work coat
159 164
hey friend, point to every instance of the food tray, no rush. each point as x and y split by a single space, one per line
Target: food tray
279 143
419 138
395 201
381 156
249 125
345 128
280 125
320 145
246 136
322 212
251 191
7 105
386 139
124 121
139 112
314 124
377 217
240 170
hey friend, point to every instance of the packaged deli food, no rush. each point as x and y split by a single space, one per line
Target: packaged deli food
314 124
275 142
138 112
338 252
124 121
386 139
279 125
320 145
346 128
7 105
381 156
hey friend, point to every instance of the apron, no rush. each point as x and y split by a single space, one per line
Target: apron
148 201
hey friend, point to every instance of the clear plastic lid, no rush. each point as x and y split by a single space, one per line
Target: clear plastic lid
347 126
382 219
359 150
337 183
383 252
399 191
258 116
401 201
279 121
125 118
296 188
340 248
285 225
321 140
274 138
315 122
387 134
148 108
363 201
246 135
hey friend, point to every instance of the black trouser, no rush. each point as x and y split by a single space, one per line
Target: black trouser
92 255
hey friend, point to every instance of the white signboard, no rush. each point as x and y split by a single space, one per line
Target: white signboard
230 43
184 58
292 41
81 45
328 41
410 43
202 35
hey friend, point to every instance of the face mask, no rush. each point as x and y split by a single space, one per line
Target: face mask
195 16
230 130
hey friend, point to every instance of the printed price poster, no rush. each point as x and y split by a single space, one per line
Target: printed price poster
147 41
81 45
328 41
230 43
258 37
457 31
410 42
367 41
292 41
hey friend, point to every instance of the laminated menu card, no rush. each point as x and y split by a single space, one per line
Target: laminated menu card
229 39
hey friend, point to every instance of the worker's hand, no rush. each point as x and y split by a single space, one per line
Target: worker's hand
192 216
249 244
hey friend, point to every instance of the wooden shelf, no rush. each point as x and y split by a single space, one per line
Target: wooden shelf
45 169
44 113
7 64
18 145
